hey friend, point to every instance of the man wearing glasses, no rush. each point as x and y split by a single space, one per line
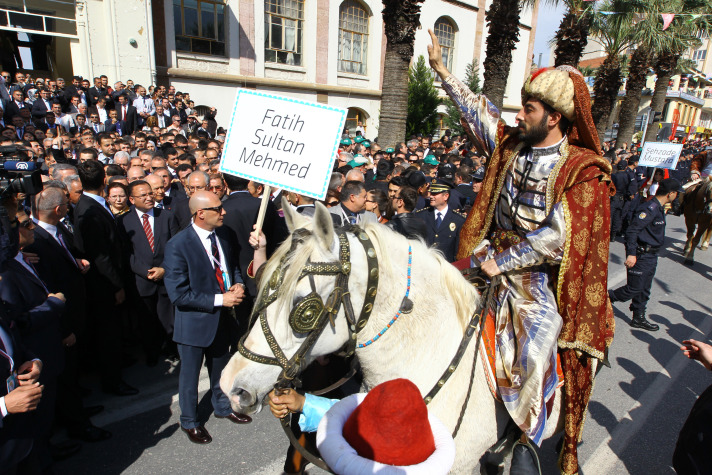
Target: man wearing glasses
204 283
146 230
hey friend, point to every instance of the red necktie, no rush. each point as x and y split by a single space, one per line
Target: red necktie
216 261
148 231
123 112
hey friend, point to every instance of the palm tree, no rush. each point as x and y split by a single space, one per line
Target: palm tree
400 18
572 35
680 36
614 33
503 23
637 76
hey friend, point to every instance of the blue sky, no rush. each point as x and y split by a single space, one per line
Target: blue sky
548 22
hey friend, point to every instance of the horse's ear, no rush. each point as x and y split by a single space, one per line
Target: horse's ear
323 225
294 220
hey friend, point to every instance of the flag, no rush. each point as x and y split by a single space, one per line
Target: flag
667 19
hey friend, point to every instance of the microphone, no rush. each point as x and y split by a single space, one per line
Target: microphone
18 166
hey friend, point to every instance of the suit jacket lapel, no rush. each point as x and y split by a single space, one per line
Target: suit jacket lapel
32 277
53 243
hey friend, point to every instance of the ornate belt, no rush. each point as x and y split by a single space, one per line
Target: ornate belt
502 239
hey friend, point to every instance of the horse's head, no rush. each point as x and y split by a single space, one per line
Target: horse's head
303 293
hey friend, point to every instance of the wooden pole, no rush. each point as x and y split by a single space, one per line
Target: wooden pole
266 194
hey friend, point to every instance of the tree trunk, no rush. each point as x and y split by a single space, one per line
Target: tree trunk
400 18
605 88
394 100
572 37
664 67
637 73
503 22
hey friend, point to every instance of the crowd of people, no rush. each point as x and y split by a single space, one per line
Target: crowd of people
125 170
119 167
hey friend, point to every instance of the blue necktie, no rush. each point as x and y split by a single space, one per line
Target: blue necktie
438 220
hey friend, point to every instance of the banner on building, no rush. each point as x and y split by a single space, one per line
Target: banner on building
660 155
283 142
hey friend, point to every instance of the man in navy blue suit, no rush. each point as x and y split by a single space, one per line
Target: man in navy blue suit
37 314
204 284
145 231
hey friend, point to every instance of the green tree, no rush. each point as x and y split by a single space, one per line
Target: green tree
681 35
615 34
423 100
472 80
400 20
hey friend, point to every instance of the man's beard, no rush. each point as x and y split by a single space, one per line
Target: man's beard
536 134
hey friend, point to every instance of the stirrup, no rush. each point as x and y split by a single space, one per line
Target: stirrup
531 450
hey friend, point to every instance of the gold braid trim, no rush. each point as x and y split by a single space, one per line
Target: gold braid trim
565 261
497 190
554 175
577 345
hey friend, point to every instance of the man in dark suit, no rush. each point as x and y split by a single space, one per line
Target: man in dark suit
21 400
113 124
145 231
127 114
37 314
443 223
241 211
42 105
204 284
13 107
96 237
62 272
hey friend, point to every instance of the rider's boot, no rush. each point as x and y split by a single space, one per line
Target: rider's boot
525 460
639 321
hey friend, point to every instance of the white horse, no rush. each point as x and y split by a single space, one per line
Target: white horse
419 346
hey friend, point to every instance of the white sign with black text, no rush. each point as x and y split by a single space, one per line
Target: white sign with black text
660 155
283 142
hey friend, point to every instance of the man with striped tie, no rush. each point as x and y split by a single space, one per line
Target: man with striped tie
145 231
204 283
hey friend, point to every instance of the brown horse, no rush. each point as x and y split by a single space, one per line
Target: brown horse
697 208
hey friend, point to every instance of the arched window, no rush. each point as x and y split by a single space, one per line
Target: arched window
353 37
356 120
445 33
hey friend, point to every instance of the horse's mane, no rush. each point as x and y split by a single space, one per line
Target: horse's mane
383 238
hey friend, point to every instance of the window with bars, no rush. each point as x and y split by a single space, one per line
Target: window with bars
200 26
445 33
353 37
284 23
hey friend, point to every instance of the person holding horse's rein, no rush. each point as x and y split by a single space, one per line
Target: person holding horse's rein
542 221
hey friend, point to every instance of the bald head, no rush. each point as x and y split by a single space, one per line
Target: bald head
135 173
203 199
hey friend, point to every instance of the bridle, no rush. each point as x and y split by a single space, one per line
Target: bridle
310 315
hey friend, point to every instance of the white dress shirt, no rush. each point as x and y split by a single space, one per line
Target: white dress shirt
204 236
144 104
150 220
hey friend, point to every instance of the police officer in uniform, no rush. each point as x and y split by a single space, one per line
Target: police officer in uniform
621 181
631 192
644 238
442 221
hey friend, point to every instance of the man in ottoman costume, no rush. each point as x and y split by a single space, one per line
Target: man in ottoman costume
542 221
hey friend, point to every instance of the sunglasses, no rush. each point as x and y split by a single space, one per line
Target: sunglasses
215 208
332 203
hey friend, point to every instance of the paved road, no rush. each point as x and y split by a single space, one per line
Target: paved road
637 410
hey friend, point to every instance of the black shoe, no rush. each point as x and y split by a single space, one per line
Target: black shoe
639 321
524 460
84 392
128 361
64 450
121 389
151 361
610 295
91 411
90 433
